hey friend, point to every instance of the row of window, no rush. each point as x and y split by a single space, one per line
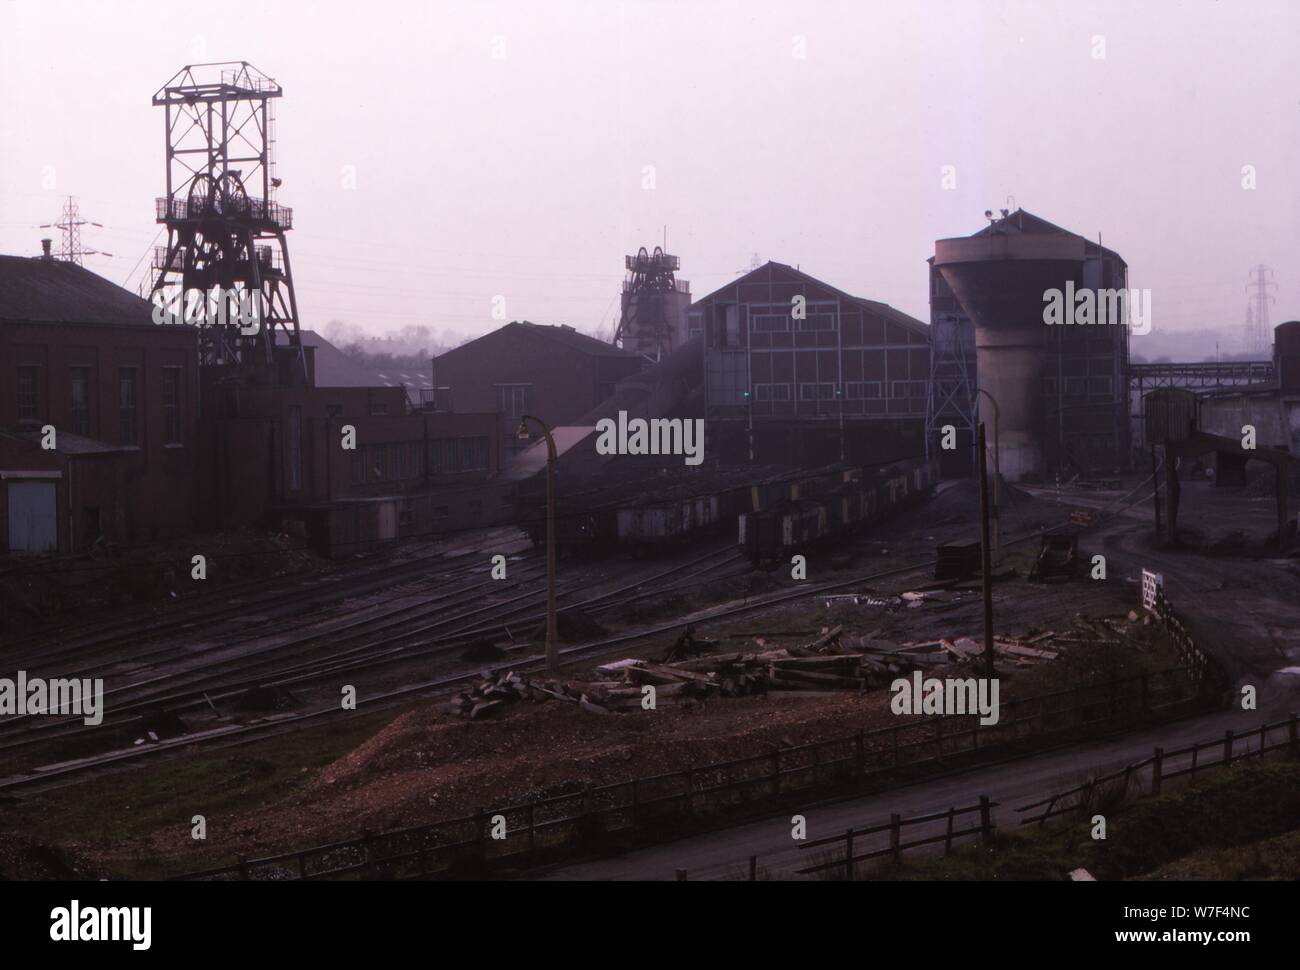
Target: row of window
853 391
395 461
32 408
779 318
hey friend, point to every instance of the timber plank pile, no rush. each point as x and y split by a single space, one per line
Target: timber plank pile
831 662
1035 648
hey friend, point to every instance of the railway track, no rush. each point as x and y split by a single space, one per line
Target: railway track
370 655
279 665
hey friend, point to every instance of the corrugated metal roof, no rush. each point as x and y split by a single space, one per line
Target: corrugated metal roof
38 290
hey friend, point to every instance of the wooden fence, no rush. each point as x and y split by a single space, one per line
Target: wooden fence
1231 749
1164 765
646 809
895 827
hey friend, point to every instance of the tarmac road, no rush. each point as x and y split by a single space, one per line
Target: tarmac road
1246 611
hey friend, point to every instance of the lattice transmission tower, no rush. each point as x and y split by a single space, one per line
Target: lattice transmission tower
1259 336
70 226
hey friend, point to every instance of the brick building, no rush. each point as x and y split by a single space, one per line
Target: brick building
554 373
275 454
82 354
847 381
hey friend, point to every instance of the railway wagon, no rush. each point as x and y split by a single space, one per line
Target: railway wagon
774 534
669 513
653 525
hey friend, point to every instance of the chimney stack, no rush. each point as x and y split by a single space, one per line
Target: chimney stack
45 249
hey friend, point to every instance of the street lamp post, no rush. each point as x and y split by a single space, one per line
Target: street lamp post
552 653
997 470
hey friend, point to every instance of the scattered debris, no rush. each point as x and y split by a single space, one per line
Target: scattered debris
688 645
1058 558
956 560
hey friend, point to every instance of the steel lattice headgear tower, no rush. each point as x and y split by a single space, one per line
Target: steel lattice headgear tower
225 232
655 302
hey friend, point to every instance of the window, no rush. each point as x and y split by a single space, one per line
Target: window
79 413
295 441
862 390
769 322
334 410
515 400
29 397
1099 386
397 455
435 457
358 466
128 402
694 323
379 462
818 316
171 405
904 389
1076 386
1049 386
406 516
415 466
441 512
772 392
816 392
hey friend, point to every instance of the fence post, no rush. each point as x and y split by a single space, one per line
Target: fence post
532 830
1293 729
986 818
947 842
895 835
681 875
1042 820
1157 770
368 852
753 868
848 855
243 868
1227 748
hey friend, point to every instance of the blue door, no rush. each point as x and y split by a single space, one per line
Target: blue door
32 521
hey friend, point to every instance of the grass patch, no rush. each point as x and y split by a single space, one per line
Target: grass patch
1218 820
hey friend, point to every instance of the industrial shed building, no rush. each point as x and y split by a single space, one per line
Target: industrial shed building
847 381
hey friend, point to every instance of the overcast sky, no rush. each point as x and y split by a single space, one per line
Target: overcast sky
500 148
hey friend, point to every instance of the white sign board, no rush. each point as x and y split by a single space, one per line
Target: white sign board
1150 583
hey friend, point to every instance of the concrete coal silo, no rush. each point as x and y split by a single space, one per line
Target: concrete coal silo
1058 389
